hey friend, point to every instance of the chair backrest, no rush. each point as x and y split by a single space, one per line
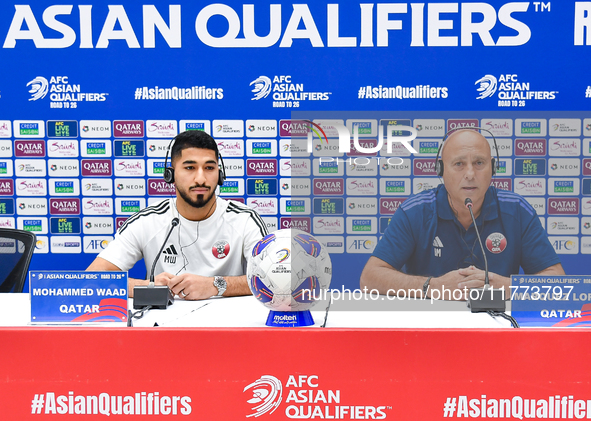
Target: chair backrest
16 251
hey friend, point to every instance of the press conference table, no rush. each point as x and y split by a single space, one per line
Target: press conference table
243 312
215 360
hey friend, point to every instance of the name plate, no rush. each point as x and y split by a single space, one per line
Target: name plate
551 301
78 297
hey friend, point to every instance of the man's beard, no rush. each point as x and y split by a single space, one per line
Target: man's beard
201 200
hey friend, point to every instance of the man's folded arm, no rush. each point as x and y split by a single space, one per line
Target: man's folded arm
381 276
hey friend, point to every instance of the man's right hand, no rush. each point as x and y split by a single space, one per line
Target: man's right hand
163 278
451 281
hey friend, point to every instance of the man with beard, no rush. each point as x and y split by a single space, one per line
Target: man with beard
206 254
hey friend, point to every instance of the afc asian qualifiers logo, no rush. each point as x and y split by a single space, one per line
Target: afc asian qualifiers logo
496 242
262 87
220 249
39 88
488 86
266 395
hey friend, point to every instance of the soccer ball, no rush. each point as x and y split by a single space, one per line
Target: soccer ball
288 269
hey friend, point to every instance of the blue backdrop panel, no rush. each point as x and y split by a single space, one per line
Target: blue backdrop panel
91 93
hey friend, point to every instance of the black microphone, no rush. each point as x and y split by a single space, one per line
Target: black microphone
493 300
155 296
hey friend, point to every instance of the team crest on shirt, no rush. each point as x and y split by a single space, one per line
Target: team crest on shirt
496 242
220 249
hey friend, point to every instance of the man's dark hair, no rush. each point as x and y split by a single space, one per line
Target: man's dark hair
192 139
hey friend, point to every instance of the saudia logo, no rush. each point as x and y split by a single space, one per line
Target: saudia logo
267 395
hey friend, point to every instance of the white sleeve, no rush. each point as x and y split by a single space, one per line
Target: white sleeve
125 250
254 230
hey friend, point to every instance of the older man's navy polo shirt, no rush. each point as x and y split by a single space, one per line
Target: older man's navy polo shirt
425 236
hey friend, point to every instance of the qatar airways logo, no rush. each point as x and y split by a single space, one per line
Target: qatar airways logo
329 186
563 206
128 128
300 223
29 148
389 206
64 206
258 167
424 167
158 187
6 187
530 147
96 167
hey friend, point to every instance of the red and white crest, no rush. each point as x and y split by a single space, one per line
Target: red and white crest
496 242
220 249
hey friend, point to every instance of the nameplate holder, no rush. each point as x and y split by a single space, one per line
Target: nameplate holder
551 301
78 297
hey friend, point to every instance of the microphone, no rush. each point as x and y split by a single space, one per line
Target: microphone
155 296
484 302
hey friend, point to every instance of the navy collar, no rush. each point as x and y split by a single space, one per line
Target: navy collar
489 207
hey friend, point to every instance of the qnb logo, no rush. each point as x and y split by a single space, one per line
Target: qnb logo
488 86
266 395
39 88
262 87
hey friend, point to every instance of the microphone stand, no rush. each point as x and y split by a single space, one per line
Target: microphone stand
488 298
151 295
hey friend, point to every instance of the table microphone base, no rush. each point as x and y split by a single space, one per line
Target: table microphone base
488 299
157 296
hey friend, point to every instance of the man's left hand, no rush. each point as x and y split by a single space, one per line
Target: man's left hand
192 287
473 273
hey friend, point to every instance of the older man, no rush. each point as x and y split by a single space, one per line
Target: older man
432 235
